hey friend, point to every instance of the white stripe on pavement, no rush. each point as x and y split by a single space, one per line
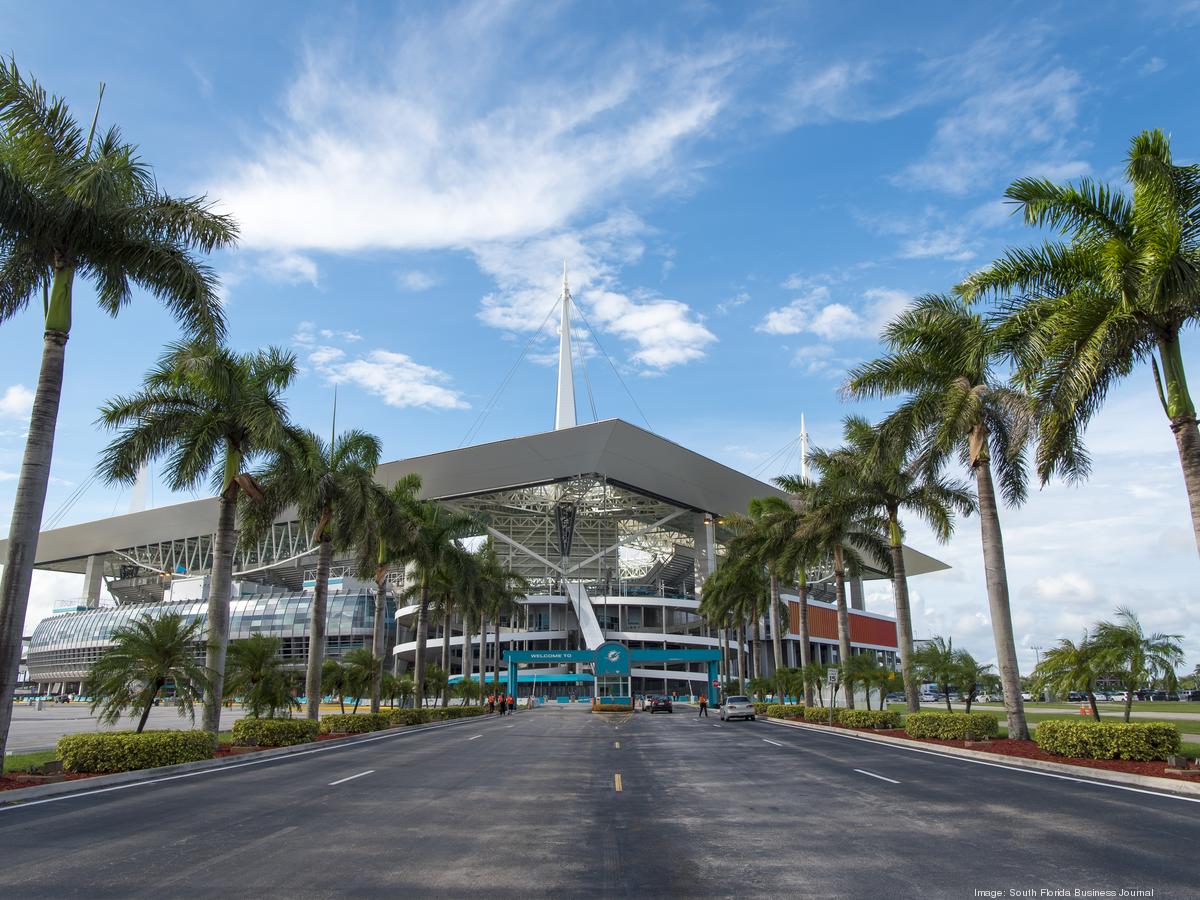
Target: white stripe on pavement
351 778
776 743
475 738
873 775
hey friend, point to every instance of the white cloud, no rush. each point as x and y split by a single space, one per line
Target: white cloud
727 306
415 280
323 356
395 377
817 313
816 359
951 244
291 268
1153 64
330 334
8 476
666 332
16 402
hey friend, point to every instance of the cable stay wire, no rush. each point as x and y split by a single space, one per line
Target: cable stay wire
786 448
612 365
473 431
65 507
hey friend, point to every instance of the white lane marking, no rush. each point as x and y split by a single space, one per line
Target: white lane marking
873 775
253 762
617 744
715 725
776 743
475 737
351 778
508 726
993 765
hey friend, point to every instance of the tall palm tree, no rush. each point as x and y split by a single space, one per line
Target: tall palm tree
502 589
330 483
1068 666
437 529
448 587
887 476
254 672
388 531
944 355
146 654
76 204
1116 291
209 411
845 527
1137 658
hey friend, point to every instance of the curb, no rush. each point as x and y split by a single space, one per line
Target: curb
1083 773
18 796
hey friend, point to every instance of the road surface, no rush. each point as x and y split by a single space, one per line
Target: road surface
563 803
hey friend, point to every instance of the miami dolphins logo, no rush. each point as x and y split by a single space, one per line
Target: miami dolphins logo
614 655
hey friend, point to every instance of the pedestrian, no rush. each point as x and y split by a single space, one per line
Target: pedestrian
491 703
703 706
512 703
501 703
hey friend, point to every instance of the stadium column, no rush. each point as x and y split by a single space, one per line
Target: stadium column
93 575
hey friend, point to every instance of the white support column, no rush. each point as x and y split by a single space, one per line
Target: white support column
93 577
564 415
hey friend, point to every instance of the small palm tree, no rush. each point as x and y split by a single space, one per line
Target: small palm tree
1138 659
360 667
147 654
330 484
1068 666
436 679
944 356
388 531
254 672
209 411
815 676
389 687
938 662
886 476
862 669
76 204
333 683
971 676
1116 293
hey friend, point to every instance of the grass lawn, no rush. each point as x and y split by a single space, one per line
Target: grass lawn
20 762
1036 712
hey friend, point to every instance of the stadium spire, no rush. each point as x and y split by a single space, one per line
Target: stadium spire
564 416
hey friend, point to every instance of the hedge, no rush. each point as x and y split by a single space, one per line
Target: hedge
867 718
760 708
354 723
611 707
274 732
433 714
1140 741
818 714
462 712
946 726
123 751
785 710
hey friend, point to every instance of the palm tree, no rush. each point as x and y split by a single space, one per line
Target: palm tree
388 532
502 591
1137 658
331 484
146 655
863 669
938 662
436 531
209 411
844 527
1068 667
971 676
436 679
814 675
81 205
361 668
254 672
1117 291
887 476
943 355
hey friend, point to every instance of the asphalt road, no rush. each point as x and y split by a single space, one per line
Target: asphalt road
529 806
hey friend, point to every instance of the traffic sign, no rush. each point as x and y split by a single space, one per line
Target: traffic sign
716 683
832 676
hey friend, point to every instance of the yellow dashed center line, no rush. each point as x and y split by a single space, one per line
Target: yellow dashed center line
617 781
617 744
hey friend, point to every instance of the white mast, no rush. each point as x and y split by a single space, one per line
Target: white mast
564 415
137 500
803 450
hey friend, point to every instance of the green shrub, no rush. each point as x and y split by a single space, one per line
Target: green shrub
462 712
351 723
785 710
274 732
867 718
124 751
817 714
761 708
944 726
1109 740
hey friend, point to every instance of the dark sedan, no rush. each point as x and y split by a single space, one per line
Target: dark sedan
659 704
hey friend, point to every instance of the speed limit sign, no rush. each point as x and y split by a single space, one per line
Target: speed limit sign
833 676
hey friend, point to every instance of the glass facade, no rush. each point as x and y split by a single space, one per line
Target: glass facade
65 646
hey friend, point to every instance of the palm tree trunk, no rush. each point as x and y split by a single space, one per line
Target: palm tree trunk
1095 709
843 621
149 704
468 661
754 649
904 633
446 655
27 519
741 663
1182 415
220 589
316 629
377 635
725 655
1128 703
998 605
422 637
805 648
483 636
776 637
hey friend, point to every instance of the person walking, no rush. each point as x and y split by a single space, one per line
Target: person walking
703 706
512 703
491 703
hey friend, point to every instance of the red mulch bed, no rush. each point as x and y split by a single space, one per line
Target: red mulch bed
12 782
1030 750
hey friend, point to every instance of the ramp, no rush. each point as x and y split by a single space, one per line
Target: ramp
588 623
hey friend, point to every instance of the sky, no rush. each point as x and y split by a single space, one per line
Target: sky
744 194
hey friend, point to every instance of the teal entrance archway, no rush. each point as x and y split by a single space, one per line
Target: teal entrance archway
613 659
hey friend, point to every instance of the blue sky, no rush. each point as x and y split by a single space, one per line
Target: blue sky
745 194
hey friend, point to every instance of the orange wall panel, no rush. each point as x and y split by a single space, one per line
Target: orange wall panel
822 623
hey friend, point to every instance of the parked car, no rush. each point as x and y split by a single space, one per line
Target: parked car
63 698
660 704
737 707
895 697
1026 696
1076 697
989 698
1190 696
